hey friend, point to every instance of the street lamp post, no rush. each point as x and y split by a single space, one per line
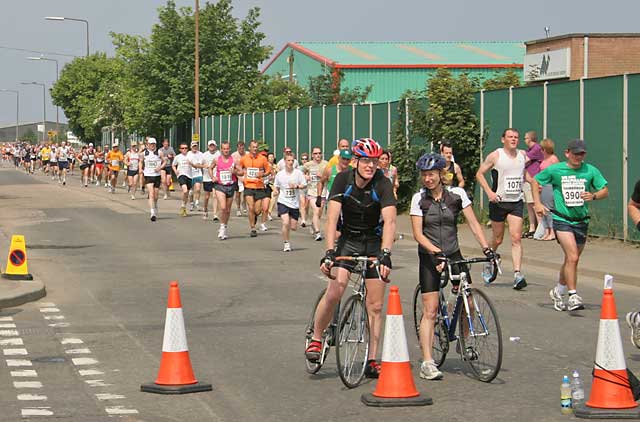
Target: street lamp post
62 18
44 106
57 75
17 108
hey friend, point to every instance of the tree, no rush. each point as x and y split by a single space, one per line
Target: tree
275 93
503 80
326 89
29 136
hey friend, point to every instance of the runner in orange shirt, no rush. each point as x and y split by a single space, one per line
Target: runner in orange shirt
114 162
253 167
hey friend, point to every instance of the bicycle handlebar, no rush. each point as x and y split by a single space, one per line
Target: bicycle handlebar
357 258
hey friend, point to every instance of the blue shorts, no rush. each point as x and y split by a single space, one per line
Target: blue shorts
63 165
579 230
197 179
294 213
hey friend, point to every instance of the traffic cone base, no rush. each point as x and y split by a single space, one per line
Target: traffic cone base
152 387
395 386
585 412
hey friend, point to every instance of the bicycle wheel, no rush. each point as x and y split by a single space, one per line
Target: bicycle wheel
481 347
314 367
440 345
352 347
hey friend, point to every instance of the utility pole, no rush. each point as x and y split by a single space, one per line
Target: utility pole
197 73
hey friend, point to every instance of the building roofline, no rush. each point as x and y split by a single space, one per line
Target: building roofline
427 66
302 50
582 35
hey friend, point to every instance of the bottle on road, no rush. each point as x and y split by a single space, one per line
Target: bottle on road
577 390
565 396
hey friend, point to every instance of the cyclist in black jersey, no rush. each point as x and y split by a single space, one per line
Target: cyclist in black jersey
364 197
434 218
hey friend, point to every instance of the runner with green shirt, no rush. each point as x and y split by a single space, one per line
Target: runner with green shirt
574 183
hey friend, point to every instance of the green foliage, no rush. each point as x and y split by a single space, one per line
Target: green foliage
503 80
325 89
275 93
29 136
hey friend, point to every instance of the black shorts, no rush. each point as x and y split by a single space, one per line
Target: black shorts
45 162
294 213
429 277
268 190
167 169
152 179
258 194
84 166
228 190
63 165
207 186
361 245
579 230
184 180
92 162
498 211
132 172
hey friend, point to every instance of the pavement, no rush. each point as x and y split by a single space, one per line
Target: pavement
86 349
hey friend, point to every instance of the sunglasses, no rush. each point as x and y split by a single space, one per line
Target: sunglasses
184 148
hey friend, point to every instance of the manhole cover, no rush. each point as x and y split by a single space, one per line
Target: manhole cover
49 359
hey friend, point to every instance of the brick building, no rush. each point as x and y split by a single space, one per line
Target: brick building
574 56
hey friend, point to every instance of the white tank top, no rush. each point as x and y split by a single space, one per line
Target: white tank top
510 174
151 164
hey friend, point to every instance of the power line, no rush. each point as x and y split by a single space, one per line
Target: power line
36 51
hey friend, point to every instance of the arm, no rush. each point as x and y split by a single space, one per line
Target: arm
459 176
634 212
475 227
487 165
389 215
539 209
333 212
601 194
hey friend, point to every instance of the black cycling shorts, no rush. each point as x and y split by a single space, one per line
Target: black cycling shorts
498 211
184 181
429 277
155 180
362 245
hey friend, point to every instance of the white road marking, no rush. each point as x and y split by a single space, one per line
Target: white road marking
47 305
28 397
120 410
9 333
78 351
24 373
6 318
8 325
97 383
108 396
59 324
15 352
53 317
84 361
37 411
89 372
12 342
49 310
27 384
19 362
71 341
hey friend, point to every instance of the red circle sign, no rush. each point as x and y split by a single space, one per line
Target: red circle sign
17 257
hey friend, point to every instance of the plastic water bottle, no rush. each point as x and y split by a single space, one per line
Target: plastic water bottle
565 396
577 390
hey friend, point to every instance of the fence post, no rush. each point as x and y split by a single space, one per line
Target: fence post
625 144
370 120
220 128
229 127
275 143
480 193
324 151
298 132
310 129
238 133
353 121
337 121
388 123
582 108
253 125
406 120
511 106
285 128
545 108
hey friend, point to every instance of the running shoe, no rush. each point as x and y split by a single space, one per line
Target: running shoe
574 303
372 370
313 351
429 371
519 281
182 212
64 183
263 227
192 206
128 189
215 217
253 233
487 272
220 232
318 236
558 301
633 321
303 224
287 247
85 185
165 197
133 197
269 217
238 213
153 217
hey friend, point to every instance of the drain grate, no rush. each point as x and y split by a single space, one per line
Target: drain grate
49 359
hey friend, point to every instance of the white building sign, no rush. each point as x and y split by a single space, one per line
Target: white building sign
553 64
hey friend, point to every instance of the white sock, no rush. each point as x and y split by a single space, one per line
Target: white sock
562 289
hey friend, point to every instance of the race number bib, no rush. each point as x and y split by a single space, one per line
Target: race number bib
252 172
314 176
92 157
184 166
289 193
572 190
225 177
513 185
115 163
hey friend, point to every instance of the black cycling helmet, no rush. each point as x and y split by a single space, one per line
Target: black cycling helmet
430 161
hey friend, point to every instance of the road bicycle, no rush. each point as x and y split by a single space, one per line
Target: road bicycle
479 337
348 330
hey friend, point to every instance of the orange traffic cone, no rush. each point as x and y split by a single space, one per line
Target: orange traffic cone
395 386
175 375
611 396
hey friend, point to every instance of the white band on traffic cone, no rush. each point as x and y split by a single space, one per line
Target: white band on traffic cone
175 337
609 353
394 348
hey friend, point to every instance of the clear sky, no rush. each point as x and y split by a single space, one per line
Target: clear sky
22 26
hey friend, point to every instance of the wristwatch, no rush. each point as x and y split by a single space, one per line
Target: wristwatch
386 251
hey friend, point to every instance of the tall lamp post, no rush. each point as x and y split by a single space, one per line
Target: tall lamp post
57 75
17 107
62 18
44 106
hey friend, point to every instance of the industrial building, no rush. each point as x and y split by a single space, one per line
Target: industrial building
8 130
392 68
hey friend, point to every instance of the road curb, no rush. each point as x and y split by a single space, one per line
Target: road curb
16 293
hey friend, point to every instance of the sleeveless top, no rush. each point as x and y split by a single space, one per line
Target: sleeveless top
224 174
508 175
151 164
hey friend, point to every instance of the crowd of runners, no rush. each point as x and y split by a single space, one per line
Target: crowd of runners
357 188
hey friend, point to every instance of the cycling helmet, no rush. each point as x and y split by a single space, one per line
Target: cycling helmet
366 147
430 161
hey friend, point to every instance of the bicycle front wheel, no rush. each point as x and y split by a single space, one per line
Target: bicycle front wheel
314 367
481 337
352 347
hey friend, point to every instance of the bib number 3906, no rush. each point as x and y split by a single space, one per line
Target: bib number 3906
572 190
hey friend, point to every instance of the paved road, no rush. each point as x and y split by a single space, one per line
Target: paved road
98 334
